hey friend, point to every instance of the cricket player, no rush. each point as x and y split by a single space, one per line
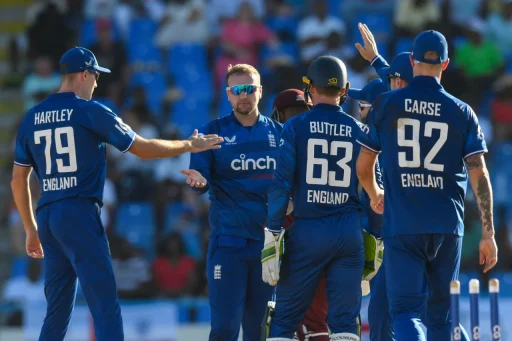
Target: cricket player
290 103
287 104
394 76
431 143
316 161
64 140
378 308
238 179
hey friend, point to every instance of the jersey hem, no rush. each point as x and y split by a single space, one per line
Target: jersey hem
22 164
373 150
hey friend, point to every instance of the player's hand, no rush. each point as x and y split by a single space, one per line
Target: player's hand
377 202
271 256
488 253
194 178
200 143
369 50
33 245
374 253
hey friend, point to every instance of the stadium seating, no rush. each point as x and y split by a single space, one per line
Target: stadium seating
136 222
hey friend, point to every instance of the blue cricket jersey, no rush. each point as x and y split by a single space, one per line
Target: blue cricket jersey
424 134
317 160
381 66
239 175
64 139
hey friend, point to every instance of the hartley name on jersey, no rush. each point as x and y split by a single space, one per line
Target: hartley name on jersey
52 116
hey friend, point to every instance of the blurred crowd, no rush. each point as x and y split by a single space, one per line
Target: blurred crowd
168 59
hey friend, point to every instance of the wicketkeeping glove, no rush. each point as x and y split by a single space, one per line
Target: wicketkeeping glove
374 252
271 256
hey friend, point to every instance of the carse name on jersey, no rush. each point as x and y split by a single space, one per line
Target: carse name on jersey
52 116
422 108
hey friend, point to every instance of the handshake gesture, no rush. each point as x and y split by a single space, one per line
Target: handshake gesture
200 143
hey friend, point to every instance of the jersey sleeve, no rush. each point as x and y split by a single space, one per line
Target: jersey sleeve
21 153
202 162
475 141
284 177
109 126
369 137
381 66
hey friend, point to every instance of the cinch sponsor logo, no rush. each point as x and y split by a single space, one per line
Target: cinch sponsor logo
251 164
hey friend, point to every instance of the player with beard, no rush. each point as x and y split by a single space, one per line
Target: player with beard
237 181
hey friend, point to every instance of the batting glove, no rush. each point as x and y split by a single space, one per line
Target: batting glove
271 256
374 252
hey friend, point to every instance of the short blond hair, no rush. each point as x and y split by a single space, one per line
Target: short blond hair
242 69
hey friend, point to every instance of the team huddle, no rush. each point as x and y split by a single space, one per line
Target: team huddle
310 208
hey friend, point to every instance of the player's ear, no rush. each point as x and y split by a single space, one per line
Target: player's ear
445 64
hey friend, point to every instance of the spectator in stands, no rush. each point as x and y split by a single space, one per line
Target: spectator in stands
240 38
183 22
314 30
169 182
462 12
137 181
43 81
199 280
351 9
112 55
480 60
501 109
499 26
49 35
125 11
220 11
414 16
99 9
39 5
29 288
132 271
173 269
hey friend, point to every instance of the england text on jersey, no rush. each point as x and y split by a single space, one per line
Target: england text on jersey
57 184
52 116
327 128
422 180
326 197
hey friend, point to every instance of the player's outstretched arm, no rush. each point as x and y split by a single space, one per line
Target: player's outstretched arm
481 185
369 48
20 185
157 149
365 168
